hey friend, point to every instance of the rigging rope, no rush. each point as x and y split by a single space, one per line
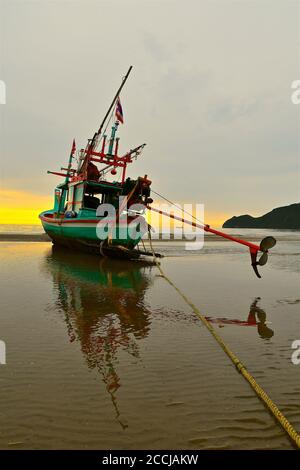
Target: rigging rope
178 207
278 415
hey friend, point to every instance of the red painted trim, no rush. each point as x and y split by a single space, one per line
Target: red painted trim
108 162
105 158
76 221
80 177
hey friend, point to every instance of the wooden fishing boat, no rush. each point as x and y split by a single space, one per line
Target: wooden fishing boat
73 221
106 217
76 221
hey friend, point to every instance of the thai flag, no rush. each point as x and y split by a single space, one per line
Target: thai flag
119 111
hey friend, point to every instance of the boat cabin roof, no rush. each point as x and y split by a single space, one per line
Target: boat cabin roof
94 187
102 186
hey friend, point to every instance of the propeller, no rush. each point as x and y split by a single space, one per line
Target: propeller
263 259
265 245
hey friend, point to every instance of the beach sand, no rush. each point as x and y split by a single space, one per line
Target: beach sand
104 354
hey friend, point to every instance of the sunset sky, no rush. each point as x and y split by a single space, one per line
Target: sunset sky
210 94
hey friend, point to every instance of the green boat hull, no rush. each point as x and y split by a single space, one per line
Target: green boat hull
82 234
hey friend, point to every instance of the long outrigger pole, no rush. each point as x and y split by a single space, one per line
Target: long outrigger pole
264 246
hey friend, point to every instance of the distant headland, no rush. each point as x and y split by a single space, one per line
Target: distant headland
286 217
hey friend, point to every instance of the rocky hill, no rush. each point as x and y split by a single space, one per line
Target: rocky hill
286 217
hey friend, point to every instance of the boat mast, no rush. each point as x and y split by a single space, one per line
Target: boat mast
93 140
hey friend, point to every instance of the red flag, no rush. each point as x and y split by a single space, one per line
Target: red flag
73 147
119 111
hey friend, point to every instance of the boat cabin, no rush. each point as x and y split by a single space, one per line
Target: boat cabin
82 198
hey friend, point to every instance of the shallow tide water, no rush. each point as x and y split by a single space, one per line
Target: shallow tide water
104 354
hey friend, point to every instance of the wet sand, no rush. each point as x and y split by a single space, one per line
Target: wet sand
24 237
43 237
104 354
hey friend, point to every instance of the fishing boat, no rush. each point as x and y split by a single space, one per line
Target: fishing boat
82 200
106 216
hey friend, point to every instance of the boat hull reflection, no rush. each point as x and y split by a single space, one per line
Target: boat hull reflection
104 308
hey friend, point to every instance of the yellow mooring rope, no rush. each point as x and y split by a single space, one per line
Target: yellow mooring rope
282 420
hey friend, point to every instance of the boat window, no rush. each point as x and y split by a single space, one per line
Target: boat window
90 202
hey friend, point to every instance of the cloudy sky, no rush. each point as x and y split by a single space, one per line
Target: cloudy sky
210 94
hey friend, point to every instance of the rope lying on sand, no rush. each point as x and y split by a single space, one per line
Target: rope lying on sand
278 415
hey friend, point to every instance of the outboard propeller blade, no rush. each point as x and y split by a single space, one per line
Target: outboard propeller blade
263 259
267 243
254 262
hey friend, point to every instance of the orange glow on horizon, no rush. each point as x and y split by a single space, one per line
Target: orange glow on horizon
23 208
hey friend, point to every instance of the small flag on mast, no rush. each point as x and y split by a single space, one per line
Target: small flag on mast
73 147
119 111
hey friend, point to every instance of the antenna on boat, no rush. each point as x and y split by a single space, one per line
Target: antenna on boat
91 143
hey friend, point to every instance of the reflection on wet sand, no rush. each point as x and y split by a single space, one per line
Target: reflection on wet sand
104 308
256 317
